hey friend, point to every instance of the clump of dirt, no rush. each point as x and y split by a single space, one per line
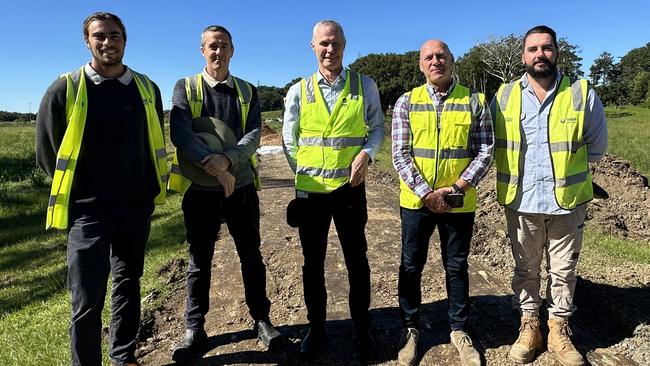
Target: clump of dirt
269 137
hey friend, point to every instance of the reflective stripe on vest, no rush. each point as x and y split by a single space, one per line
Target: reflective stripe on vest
76 110
440 149
194 92
566 145
329 142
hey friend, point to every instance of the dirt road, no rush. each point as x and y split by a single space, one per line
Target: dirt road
609 325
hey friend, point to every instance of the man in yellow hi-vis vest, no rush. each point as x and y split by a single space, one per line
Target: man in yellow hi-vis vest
216 93
547 129
442 147
99 136
333 126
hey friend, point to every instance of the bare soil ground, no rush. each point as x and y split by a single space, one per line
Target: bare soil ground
610 326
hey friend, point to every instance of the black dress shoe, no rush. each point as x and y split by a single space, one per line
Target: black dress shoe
193 343
367 346
313 344
271 337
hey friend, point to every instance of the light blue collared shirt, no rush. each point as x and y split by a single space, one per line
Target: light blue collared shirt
536 194
373 114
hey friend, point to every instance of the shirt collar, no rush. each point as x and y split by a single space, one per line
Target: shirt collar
212 82
97 79
340 77
525 83
434 93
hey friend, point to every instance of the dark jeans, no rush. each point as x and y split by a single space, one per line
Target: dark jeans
105 239
347 206
455 230
203 211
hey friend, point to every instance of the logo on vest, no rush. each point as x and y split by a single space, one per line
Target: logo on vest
568 120
508 119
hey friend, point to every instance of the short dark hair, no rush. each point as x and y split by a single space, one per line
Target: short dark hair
101 15
215 28
541 29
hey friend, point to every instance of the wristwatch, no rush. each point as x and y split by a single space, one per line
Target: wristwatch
457 189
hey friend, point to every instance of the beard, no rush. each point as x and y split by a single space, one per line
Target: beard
548 70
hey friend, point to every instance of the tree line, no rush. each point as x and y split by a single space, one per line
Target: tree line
16 117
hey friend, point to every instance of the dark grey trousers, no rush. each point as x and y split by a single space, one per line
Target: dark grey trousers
103 240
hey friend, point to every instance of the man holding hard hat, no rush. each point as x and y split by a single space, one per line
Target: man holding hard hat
216 125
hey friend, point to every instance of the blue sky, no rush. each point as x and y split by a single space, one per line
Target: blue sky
41 39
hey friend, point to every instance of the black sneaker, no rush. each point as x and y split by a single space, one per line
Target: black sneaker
367 346
313 344
268 335
193 343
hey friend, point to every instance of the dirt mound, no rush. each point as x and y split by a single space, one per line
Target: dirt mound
627 212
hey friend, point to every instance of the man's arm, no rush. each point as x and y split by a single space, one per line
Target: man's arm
250 142
595 130
481 146
50 126
180 126
401 149
159 108
291 124
374 117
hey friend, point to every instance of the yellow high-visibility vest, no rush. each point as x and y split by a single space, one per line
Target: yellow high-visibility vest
440 149
76 108
194 91
329 142
566 143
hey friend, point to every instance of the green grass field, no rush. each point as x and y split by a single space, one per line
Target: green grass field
629 133
34 304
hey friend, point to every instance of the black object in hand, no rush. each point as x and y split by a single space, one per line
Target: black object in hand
454 200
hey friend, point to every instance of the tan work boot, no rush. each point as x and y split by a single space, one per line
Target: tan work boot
469 356
560 344
408 347
529 341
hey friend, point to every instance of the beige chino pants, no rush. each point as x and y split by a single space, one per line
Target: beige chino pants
560 238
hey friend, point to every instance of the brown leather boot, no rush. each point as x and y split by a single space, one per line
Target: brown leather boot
560 344
529 341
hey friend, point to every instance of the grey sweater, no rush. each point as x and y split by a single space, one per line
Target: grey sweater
220 101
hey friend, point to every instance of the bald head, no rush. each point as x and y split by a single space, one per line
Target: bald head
436 63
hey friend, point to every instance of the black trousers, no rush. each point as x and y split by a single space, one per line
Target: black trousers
202 212
347 206
103 240
455 230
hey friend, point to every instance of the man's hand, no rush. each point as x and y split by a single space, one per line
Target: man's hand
214 164
227 180
435 200
359 169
